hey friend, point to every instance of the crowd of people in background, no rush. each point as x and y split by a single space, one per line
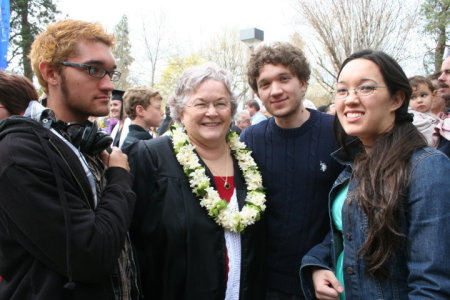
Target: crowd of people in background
121 194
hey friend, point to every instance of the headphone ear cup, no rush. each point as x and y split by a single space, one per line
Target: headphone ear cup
88 140
94 141
85 137
102 142
76 136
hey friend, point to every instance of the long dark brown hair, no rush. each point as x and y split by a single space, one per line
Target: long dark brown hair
383 174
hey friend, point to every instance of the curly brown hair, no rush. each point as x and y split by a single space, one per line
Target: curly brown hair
278 54
60 40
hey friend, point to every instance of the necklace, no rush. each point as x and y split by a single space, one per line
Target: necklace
226 185
200 183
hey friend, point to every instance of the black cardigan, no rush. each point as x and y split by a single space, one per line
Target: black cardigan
181 250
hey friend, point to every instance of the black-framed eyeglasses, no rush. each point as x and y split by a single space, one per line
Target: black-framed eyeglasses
95 71
362 91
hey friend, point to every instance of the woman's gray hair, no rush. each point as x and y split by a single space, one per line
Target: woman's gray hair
191 79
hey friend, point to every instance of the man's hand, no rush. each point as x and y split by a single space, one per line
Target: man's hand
115 159
326 285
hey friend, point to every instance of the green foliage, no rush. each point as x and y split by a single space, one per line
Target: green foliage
436 14
28 18
122 52
175 66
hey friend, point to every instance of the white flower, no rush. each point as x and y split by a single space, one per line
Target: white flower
248 215
253 180
235 144
198 178
229 219
258 199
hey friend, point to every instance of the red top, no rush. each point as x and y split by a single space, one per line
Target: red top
224 193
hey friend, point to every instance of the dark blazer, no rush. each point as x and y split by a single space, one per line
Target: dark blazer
135 134
181 250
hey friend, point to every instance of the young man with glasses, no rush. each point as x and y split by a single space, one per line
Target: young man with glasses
66 203
292 150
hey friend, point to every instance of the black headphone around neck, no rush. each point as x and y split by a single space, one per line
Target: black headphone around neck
86 136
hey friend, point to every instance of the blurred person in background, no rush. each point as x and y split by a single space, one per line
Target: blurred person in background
242 121
420 105
438 104
16 92
119 131
444 82
143 107
253 107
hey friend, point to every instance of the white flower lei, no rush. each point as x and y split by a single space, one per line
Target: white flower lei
235 221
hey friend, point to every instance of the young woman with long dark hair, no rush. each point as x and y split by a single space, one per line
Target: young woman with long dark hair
390 207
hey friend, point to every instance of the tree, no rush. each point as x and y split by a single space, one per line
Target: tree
28 18
154 42
230 53
436 14
171 73
122 52
316 92
343 27
296 40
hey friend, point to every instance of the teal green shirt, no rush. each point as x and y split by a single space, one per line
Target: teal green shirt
336 213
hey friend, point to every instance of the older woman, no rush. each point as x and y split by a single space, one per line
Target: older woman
16 92
390 207
198 229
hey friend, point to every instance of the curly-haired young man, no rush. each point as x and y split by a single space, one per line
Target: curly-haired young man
292 150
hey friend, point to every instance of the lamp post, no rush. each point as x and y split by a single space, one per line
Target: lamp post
251 37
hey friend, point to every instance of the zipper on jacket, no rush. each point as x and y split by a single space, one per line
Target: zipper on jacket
86 198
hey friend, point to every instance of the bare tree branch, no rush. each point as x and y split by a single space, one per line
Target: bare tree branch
231 54
343 27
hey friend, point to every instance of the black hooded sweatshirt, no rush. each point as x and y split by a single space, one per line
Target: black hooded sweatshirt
54 243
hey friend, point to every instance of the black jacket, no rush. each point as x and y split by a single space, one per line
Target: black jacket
181 250
135 133
50 232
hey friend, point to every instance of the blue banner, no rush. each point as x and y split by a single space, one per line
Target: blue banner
4 33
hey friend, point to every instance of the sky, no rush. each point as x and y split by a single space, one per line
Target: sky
192 22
